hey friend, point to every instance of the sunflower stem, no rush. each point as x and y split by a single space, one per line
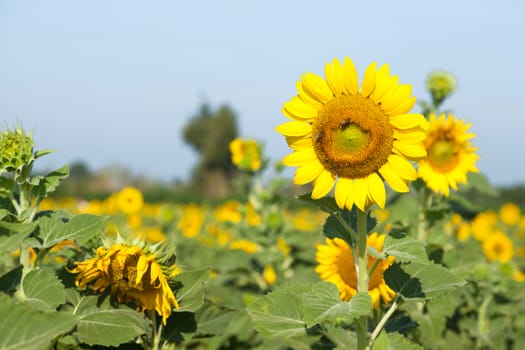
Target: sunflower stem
382 323
422 228
362 273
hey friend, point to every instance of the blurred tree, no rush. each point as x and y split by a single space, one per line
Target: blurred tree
210 133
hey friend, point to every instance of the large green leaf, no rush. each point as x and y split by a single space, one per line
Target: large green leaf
104 324
322 303
12 235
49 182
280 313
42 290
24 328
421 280
405 249
394 341
80 228
326 204
191 293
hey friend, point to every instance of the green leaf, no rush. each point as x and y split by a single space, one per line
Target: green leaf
340 337
80 228
42 152
12 235
24 328
326 204
322 303
394 341
280 313
421 280
50 182
405 249
42 290
107 325
191 293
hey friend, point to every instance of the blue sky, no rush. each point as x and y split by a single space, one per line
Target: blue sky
115 81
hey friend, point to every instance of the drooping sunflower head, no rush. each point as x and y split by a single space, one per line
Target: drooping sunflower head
336 265
132 274
353 137
450 154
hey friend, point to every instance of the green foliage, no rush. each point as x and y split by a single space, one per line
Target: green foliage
42 290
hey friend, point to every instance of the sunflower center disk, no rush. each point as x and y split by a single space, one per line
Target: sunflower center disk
352 136
442 154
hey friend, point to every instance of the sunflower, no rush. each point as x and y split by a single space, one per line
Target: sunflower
336 265
353 138
246 154
131 274
130 200
498 247
450 154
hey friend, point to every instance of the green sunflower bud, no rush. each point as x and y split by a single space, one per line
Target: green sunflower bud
16 150
440 85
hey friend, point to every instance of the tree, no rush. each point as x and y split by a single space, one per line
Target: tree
210 133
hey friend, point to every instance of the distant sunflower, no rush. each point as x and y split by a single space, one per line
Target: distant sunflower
353 138
450 154
246 154
130 200
498 247
131 274
336 265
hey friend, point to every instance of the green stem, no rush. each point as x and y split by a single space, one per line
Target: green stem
352 234
362 273
382 323
155 336
483 324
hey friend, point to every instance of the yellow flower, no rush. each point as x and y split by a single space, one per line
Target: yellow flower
353 138
498 247
518 276
269 275
450 155
244 245
484 224
458 227
510 213
191 220
336 265
283 247
229 211
131 274
246 154
130 200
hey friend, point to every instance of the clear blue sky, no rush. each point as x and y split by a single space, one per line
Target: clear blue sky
114 81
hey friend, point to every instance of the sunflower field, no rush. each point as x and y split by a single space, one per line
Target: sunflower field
385 247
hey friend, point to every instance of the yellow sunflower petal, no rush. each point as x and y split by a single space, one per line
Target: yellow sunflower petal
407 121
317 87
334 77
402 167
300 157
393 180
308 172
323 185
369 80
294 129
142 267
298 110
403 107
391 102
410 150
376 189
360 193
350 76
342 188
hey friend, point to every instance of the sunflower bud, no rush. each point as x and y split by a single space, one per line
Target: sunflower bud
16 150
440 85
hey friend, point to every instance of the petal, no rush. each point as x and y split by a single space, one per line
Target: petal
334 77
307 98
349 203
411 135
376 189
369 80
394 181
383 82
402 167
155 272
294 129
323 185
308 172
300 157
410 150
403 107
142 267
342 188
351 79
360 193
407 121
317 87
391 102
299 110
299 142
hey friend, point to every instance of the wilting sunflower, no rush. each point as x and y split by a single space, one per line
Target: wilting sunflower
336 265
131 274
353 138
450 154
